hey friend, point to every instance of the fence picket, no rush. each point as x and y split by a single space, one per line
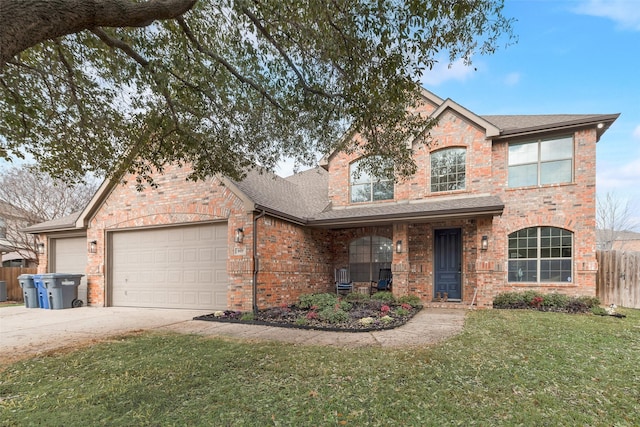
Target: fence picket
10 275
618 278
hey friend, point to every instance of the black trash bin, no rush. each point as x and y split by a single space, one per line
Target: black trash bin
62 290
30 292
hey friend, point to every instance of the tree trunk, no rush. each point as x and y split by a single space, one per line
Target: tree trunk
25 23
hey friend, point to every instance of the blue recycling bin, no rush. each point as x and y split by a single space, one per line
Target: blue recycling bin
43 298
62 290
29 290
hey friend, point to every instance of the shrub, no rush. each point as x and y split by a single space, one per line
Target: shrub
356 297
400 311
333 315
248 316
590 302
412 300
555 300
384 296
319 300
545 302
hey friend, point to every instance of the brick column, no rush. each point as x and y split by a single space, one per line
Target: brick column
400 264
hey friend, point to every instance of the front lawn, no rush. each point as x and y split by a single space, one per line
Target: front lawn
508 367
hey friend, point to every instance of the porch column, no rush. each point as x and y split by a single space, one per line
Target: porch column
400 265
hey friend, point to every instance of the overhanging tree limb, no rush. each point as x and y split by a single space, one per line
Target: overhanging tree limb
26 23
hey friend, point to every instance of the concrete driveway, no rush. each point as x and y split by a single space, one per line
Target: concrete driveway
31 331
27 332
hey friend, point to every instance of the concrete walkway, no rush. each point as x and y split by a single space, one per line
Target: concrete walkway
29 332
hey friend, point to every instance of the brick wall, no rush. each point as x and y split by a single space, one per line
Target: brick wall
175 201
569 206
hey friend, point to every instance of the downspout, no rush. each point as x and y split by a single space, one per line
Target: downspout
256 267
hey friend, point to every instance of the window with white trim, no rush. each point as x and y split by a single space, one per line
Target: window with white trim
367 255
448 169
368 188
541 162
540 255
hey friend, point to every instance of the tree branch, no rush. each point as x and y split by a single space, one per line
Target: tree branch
287 59
226 64
119 44
26 23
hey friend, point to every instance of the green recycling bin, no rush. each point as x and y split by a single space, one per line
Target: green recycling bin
62 290
29 289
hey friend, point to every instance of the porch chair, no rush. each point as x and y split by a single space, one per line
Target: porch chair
343 282
385 280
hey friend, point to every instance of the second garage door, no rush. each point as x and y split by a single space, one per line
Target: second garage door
172 267
71 258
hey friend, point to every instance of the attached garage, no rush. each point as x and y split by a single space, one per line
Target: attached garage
169 267
70 256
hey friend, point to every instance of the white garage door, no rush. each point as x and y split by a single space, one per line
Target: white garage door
70 256
173 267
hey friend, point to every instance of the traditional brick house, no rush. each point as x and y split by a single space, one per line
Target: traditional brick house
498 203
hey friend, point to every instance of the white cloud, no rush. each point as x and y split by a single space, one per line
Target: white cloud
442 71
622 179
625 13
636 133
512 79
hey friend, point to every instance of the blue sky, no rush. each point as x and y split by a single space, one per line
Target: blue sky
573 57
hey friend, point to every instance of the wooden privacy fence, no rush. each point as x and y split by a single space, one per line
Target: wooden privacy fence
10 275
618 280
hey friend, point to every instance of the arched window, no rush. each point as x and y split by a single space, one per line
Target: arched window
448 169
540 254
367 255
368 188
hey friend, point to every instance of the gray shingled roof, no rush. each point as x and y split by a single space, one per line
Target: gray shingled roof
299 196
450 207
514 124
59 224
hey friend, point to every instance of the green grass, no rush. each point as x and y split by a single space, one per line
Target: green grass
508 367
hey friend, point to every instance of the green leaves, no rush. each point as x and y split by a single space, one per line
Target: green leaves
233 84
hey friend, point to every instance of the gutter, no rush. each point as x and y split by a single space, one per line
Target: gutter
256 266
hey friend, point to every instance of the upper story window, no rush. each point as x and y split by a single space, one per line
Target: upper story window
540 254
542 162
368 188
448 169
367 255
3 229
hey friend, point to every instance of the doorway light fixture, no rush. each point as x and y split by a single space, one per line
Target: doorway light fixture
484 244
93 246
41 248
399 247
239 235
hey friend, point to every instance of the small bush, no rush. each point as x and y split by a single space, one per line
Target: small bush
319 300
248 316
555 300
546 302
356 297
384 296
412 300
590 301
333 315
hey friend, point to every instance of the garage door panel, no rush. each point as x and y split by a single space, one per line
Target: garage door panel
71 257
187 268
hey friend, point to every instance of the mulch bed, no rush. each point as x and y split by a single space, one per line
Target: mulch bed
290 317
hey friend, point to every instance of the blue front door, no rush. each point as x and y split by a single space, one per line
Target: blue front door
448 263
